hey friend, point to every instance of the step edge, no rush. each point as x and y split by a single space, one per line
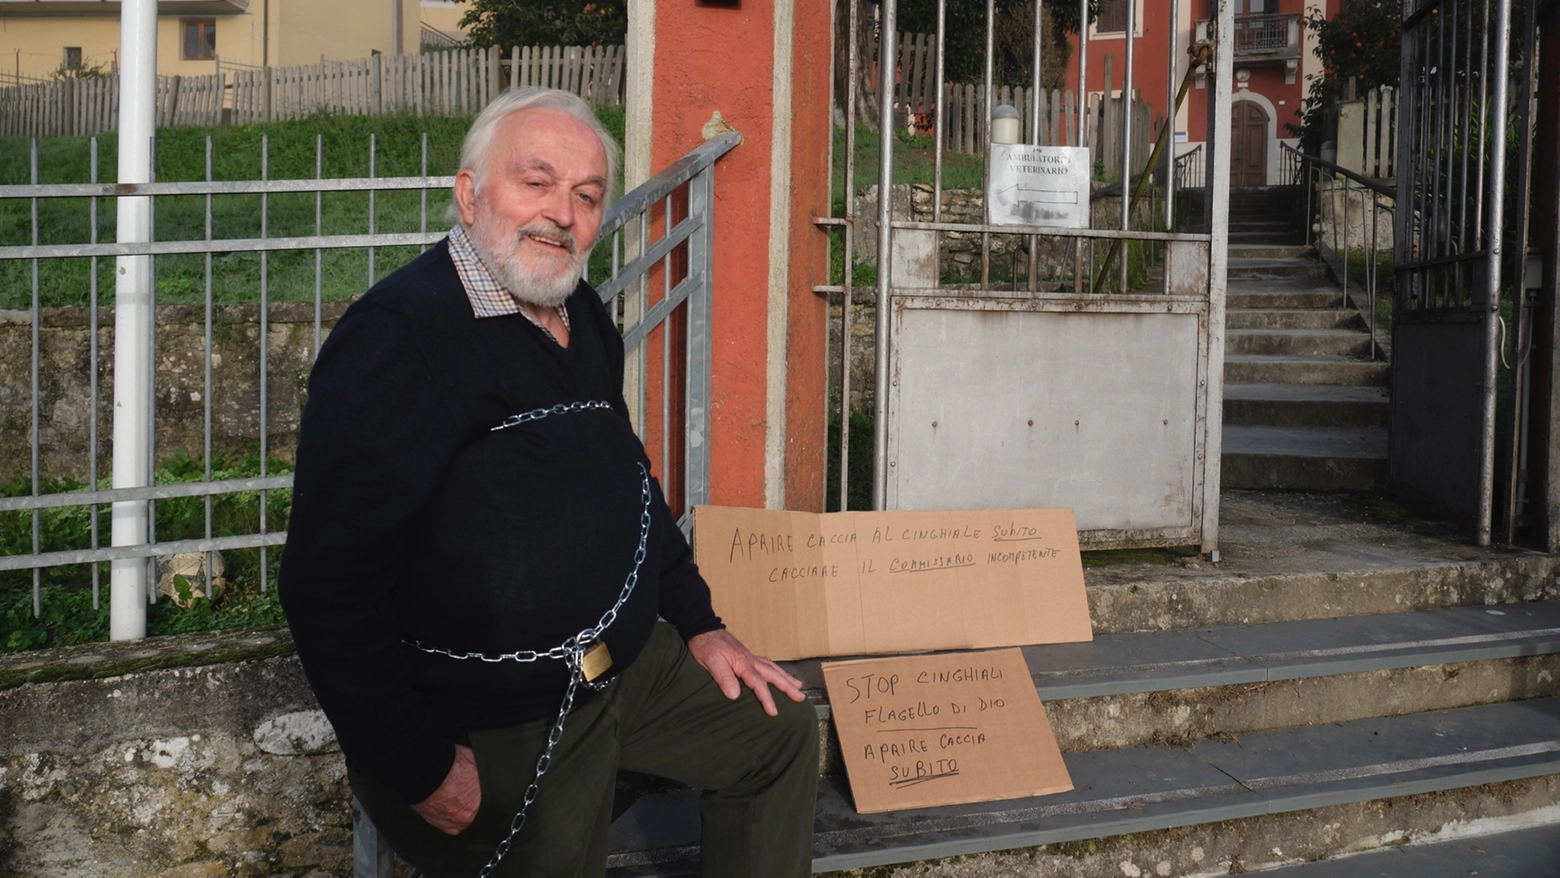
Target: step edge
1253 669
1475 775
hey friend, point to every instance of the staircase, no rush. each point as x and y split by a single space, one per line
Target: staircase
1345 680
1305 405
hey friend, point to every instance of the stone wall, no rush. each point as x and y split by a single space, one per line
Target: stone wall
66 372
196 756
1351 215
959 251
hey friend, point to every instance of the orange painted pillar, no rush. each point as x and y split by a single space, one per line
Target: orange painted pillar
764 66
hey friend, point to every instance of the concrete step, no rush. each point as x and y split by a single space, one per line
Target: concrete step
1293 318
1297 342
1532 851
1135 689
1304 458
1276 268
1302 724
1294 369
1135 790
1269 295
1292 555
1305 405
1270 251
1263 222
1278 238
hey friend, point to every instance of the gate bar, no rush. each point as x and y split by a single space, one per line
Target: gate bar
1521 305
1492 271
887 41
1126 144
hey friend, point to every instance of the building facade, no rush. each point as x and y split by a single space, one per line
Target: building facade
39 38
1274 65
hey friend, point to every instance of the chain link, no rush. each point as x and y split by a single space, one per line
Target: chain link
559 409
571 651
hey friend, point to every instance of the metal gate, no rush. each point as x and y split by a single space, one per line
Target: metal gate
1460 236
1073 366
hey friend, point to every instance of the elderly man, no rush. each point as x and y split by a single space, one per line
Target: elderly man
478 555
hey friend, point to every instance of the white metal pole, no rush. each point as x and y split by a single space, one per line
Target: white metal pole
133 314
888 68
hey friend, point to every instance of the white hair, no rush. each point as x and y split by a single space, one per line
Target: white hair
478 144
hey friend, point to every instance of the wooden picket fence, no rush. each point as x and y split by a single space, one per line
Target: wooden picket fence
595 73
965 112
452 83
69 106
1379 149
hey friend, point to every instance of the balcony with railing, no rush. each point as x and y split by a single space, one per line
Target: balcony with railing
1261 37
1264 38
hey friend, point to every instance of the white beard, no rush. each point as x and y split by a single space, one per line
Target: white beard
546 286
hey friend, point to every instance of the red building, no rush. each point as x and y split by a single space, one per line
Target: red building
1274 64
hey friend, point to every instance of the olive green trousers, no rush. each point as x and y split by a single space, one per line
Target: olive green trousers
663 716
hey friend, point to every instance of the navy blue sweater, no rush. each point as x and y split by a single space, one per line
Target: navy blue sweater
413 520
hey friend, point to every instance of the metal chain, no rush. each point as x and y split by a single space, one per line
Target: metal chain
571 651
559 409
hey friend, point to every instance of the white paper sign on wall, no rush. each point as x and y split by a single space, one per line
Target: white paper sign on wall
1038 186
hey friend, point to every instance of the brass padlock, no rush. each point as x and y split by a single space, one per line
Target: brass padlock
596 661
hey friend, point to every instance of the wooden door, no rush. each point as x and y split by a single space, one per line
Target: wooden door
1248 144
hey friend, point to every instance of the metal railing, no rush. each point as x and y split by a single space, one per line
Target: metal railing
1332 193
655 242
1261 36
1266 33
431 39
1189 169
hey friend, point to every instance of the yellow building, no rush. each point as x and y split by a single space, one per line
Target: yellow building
38 37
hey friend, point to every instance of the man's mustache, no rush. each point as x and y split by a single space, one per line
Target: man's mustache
550 232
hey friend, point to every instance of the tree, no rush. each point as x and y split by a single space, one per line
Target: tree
506 23
1364 42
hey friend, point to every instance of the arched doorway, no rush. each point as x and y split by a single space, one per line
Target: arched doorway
1248 144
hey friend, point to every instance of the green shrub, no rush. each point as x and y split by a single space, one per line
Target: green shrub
65 600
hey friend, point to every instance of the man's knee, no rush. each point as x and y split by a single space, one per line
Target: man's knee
797 730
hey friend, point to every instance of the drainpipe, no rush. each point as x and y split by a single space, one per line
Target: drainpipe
133 319
397 26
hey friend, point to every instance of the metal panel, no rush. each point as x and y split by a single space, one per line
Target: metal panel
1024 403
1433 446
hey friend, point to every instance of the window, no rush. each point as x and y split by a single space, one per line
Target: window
72 59
198 39
1113 17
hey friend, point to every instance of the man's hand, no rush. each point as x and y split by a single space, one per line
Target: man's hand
728 661
454 804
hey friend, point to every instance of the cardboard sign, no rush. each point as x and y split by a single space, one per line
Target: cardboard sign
1038 185
797 585
919 731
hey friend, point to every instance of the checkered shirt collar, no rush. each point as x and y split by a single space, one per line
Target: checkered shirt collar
488 297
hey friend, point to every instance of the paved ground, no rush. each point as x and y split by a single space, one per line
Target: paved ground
1284 533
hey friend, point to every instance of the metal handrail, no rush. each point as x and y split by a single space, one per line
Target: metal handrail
1368 182
661 185
687 299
